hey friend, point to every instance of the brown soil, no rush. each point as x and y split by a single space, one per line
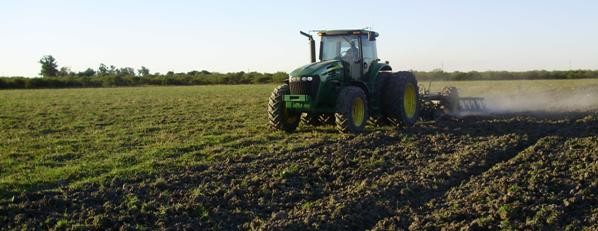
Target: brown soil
533 171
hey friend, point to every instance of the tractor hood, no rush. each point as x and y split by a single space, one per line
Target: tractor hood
318 68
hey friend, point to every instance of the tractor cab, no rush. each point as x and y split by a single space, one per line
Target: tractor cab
355 48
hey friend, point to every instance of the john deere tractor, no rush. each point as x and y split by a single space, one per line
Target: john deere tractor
348 87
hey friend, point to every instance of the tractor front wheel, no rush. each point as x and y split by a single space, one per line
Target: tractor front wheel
327 119
352 110
279 116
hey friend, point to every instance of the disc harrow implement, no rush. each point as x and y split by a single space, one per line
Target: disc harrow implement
448 102
471 104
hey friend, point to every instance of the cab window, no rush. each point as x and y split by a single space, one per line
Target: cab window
369 50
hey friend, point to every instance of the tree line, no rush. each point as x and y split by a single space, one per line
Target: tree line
111 76
439 75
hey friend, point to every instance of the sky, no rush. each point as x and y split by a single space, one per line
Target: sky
263 36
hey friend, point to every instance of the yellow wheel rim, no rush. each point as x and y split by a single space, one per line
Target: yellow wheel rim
358 112
410 100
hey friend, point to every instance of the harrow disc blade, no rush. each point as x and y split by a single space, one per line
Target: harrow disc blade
471 104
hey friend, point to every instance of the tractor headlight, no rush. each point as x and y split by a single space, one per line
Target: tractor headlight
310 78
303 78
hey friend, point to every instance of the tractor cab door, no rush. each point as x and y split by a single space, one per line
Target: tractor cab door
351 53
370 55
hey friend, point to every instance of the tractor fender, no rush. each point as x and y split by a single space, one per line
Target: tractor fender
375 69
361 85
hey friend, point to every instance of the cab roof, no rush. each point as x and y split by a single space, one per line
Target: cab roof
346 32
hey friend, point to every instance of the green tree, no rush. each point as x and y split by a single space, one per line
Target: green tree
65 71
125 71
279 77
143 71
112 70
49 66
102 70
87 73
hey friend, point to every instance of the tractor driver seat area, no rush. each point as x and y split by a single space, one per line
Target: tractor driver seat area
352 54
351 57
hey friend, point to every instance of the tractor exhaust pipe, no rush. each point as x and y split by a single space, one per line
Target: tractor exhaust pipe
312 46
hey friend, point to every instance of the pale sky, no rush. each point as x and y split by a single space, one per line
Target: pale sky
227 36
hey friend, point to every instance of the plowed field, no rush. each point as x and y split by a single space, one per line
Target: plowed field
529 170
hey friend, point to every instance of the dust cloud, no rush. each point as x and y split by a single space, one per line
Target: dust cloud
563 100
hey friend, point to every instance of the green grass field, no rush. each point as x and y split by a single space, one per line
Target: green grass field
54 138
68 139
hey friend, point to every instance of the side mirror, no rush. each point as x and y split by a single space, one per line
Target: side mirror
372 36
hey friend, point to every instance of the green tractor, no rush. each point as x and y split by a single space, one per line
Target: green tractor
348 87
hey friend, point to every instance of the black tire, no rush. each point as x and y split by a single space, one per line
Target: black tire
327 118
351 101
278 116
398 111
450 101
312 119
379 119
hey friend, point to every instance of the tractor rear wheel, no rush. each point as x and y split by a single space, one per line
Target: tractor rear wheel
401 99
279 116
379 119
352 110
